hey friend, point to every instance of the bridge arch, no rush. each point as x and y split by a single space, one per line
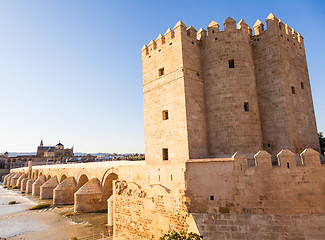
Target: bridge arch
63 177
107 185
82 180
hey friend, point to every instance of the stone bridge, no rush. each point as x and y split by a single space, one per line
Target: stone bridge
86 185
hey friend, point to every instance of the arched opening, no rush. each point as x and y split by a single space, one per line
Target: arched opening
107 193
48 177
63 177
83 179
108 186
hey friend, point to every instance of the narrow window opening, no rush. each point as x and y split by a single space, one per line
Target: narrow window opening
171 177
197 74
161 71
212 31
188 33
302 85
293 90
288 39
170 43
158 169
269 145
216 39
158 177
281 35
246 107
280 26
192 42
211 198
231 63
159 50
288 165
165 115
165 153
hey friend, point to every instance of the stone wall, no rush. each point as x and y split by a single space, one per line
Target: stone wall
260 226
242 185
150 203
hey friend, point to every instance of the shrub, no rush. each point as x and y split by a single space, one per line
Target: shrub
5 186
68 214
40 206
173 235
12 202
73 238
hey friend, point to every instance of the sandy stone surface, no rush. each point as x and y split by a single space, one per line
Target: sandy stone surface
17 222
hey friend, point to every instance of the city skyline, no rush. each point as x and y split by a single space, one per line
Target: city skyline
72 70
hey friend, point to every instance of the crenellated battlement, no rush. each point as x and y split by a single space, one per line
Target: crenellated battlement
213 29
309 158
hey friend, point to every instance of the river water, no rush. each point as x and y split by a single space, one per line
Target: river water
17 222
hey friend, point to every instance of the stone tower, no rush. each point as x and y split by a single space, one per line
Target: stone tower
284 92
213 93
174 111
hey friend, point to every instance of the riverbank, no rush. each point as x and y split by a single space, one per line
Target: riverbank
17 222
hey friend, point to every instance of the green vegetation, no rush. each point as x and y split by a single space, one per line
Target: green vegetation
40 206
13 187
22 191
321 142
180 236
5 186
69 214
73 238
12 202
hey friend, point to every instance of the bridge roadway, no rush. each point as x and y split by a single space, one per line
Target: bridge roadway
86 185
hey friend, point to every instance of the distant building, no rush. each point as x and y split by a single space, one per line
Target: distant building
53 151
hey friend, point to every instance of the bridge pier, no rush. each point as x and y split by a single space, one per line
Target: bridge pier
48 187
89 197
37 185
64 192
13 180
20 179
110 211
29 185
23 184
5 179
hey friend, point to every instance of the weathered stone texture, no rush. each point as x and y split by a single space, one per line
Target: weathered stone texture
260 226
46 190
227 91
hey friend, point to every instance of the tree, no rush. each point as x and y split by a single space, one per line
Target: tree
173 235
321 142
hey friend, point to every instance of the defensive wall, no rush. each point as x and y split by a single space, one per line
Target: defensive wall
224 198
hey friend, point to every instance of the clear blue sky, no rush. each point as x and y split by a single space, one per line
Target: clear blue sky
71 70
